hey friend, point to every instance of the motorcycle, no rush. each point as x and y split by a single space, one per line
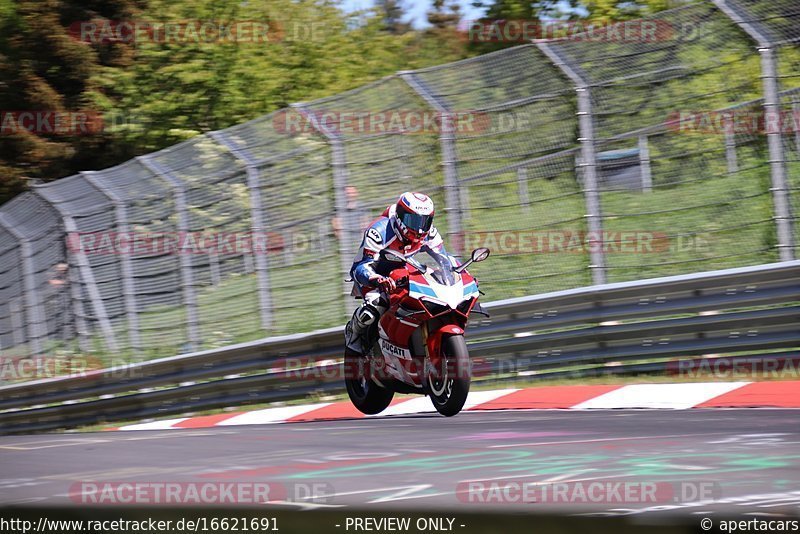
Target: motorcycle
419 342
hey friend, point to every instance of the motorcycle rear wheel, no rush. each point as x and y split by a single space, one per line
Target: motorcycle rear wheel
367 396
448 391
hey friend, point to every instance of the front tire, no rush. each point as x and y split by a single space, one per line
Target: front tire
449 386
367 396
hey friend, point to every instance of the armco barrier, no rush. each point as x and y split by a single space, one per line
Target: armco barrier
750 310
663 145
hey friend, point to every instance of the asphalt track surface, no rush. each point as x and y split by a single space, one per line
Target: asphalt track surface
746 461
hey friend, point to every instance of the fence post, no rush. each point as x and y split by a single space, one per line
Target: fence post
644 164
128 287
522 189
17 323
87 275
796 118
34 314
399 143
347 233
454 198
213 267
588 161
772 109
187 279
730 146
78 311
257 226
780 189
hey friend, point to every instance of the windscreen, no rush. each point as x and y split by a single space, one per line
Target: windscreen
438 265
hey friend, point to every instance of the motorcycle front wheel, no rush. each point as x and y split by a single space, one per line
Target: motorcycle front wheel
448 384
367 396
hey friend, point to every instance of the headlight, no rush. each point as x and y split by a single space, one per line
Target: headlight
464 306
434 308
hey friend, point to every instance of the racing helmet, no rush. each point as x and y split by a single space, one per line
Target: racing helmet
412 217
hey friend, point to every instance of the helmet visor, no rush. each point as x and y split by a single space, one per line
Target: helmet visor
416 222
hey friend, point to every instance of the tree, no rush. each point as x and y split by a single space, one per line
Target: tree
49 74
153 93
393 13
444 15
615 10
539 13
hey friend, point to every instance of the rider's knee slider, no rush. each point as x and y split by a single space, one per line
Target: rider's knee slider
367 314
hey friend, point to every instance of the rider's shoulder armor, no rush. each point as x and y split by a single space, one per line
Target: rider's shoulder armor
378 235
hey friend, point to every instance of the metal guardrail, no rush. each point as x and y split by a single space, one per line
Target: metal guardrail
742 310
520 153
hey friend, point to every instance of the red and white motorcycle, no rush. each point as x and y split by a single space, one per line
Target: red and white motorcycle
420 345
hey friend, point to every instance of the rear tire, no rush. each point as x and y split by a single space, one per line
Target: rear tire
367 396
448 392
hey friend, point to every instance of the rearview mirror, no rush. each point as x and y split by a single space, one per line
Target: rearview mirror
480 254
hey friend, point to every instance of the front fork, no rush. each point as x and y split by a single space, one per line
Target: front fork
432 341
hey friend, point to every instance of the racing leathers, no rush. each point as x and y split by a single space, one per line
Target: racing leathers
369 273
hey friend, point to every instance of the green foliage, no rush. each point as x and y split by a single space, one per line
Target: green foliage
43 69
153 94
615 10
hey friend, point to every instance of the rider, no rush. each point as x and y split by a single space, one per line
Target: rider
405 227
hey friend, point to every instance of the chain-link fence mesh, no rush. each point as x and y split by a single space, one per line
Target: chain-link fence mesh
706 202
790 106
12 305
516 196
145 207
38 297
213 208
380 152
90 212
658 139
293 186
779 22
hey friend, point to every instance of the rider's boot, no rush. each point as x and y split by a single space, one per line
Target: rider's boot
358 327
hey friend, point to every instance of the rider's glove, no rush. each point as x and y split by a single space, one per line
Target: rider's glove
385 283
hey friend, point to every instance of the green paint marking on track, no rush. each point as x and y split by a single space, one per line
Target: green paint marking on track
501 462
665 465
